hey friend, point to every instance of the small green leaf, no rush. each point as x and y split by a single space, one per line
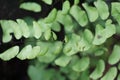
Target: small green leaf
16 29
63 61
109 28
86 41
111 74
10 53
58 47
49 2
76 2
56 26
44 48
54 36
99 37
34 53
102 8
24 28
84 75
37 30
98 72
115 55
6 31
31 6
91 11
66 7
79 15
81 65
115 12
47 34
51 16
71 47
25 52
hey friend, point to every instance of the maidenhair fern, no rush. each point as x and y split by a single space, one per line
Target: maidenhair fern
86 52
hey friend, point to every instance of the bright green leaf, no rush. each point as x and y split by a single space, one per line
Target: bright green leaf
16 29
49 2
34 53
31 6
99 37
81 65
10 53
76 2
25 52
115 12
47 34
6 31
111 74
102 8
51 16
66 7
63 61
24 28
98 72
115 55
91 11
37 30
79 15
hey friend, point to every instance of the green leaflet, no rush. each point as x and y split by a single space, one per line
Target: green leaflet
37 30
102 8
31 6
25 52
99 37
109 28
71 47
10 53
6 31
79 15
54 36
56 26
49 2
34 73
51 16
91 12
98 72
84 75
48 54
111 74
16 29
116 11
47 34
66 20
115 55
63 60
81 65
34 53
58 46
76 2
102 34
86 41
24 28
66 7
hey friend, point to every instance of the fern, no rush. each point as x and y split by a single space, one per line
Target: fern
84 47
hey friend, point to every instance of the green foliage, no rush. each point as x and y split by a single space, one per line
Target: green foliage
88 45
31 6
